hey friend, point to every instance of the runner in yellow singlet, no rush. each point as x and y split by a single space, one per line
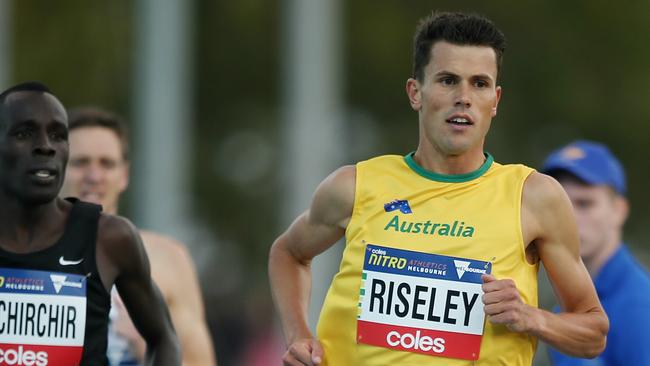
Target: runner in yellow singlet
443 244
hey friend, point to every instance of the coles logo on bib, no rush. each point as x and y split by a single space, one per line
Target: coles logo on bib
19 356
420 302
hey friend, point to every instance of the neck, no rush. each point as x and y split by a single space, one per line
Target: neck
21 225
595 263
111 210
436 161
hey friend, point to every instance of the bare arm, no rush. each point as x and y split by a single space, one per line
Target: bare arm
140 295
187 312
310 234
548 224
182 293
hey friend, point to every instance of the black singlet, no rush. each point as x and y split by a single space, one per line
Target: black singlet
78 241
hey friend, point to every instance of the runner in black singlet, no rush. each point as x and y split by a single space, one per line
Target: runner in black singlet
58 258
98 172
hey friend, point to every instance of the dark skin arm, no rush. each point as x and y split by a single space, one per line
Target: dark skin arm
121 259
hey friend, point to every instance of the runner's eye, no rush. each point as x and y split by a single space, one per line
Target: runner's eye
448 80
481 84
22 134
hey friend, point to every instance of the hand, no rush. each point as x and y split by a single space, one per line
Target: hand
503 305
304 351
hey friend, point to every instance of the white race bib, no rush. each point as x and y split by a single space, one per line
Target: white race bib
42 317
419 302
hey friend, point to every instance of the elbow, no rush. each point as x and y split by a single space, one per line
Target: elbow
166 346
281 256
591 350
598 349
600 340
169 338
278 257
175 345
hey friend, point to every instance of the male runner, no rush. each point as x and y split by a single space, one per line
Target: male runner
441 238
594 179
98 172
60 258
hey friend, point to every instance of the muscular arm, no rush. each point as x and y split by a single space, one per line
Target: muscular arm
123 248
182 293
187 312
310 234
548 224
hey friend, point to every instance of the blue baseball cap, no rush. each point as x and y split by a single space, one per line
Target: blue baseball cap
590 162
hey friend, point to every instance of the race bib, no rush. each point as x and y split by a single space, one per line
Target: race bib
423 303
42 317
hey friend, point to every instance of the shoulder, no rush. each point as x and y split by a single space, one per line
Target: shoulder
628 307
627 298
165 252
118 239
546 208
383 159
343 175
338 186
385 164
518 169
116 230
334 197
119 249
161 243
631 278
542 192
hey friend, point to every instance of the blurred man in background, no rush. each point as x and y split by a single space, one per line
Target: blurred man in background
595 181
98 172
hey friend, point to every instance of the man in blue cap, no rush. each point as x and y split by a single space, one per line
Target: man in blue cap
595 183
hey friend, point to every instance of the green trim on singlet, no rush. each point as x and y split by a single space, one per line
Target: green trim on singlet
449 178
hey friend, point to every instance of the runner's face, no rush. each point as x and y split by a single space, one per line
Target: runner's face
33 146
599 215
457 98
97 171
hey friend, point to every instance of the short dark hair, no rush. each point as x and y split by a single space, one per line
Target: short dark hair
456 28
35 86
80 117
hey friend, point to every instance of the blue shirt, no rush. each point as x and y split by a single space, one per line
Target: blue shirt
623 287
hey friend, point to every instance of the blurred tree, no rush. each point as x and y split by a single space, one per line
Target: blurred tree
81 49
